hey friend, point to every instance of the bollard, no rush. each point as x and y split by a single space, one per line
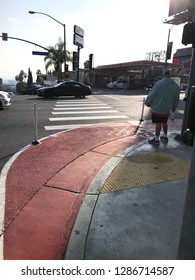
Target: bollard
142 113
141 118
35 142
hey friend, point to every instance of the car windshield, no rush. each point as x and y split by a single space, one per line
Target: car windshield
58 85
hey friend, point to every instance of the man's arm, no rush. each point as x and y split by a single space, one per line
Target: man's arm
151 95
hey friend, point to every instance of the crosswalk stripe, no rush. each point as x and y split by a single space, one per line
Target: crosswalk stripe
65 126
88 118
81 108
79 103
84 112
76 107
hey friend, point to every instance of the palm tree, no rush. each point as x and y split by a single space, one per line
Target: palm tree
56 57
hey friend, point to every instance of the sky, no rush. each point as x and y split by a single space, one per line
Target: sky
114 31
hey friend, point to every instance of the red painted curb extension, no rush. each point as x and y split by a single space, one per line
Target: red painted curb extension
47 183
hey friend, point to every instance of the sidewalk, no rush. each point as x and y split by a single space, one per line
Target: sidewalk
98 192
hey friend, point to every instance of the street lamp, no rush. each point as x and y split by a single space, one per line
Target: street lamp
32 12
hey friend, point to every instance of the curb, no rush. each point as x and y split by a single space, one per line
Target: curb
76 246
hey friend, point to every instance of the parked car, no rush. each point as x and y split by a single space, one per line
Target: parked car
5 100
31 89
141 84
67 88
117 84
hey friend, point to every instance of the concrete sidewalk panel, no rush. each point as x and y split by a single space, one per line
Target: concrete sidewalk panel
77 175
137 224
41 230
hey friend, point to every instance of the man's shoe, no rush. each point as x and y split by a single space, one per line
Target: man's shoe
153 141
164 139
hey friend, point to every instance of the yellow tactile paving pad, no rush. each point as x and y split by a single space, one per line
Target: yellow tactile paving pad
145 169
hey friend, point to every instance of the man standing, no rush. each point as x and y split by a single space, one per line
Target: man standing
162 98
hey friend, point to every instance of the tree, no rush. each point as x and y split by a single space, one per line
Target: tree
86 64
40 79
156 56
20 79
30 78
22 75
1 84
56 57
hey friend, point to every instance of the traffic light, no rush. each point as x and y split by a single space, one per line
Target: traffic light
169 50
66 68
188 34
75 61
90 61
4 36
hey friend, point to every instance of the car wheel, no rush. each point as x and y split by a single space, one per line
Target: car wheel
1 107
115 87
48 95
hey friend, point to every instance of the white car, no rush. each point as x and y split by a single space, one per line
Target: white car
5 99
117 84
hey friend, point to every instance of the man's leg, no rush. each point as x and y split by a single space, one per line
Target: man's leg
165 128
164 138
157 131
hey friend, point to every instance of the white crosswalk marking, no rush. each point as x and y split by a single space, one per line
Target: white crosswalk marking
80 108
87 118
84 112
72 109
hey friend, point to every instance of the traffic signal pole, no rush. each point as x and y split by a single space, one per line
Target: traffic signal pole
78 64
186 250
35 44
188 98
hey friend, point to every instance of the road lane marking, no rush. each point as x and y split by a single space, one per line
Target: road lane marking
88 118
81 108
65 126
84 112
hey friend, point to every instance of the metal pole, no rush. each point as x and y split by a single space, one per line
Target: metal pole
191 82
142 113
78 64
64 52
35 142
186 249
32 12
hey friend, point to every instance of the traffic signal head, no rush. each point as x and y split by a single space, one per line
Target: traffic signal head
75 61
90 61
4 36
188 36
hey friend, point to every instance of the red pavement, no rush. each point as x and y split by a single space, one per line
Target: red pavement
47 183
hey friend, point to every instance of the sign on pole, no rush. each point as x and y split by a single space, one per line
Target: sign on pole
40 53
78 30
78 38
78 41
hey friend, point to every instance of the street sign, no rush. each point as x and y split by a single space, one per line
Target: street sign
79 31
78 41
40 53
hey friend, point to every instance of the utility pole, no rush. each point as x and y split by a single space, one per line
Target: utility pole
186 250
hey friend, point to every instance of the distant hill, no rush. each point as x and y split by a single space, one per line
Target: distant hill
9 82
